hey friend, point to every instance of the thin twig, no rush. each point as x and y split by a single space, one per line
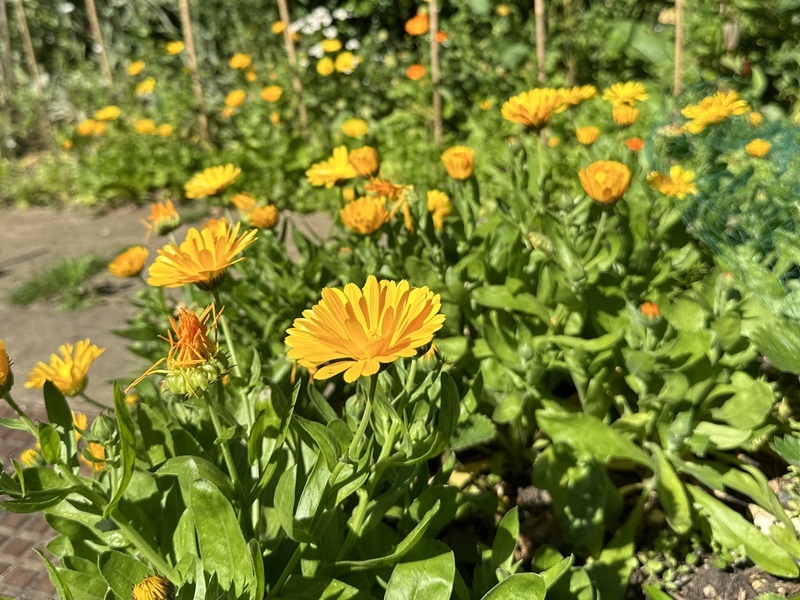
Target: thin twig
297 84
433 20
197 85
538 10
94 24
677 83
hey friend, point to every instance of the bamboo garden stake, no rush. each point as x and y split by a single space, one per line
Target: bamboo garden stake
435 75
186 28
94 23
677 84
296 83
33 68
538 11
5 51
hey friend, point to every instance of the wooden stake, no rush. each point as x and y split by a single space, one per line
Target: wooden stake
538 10
297 84
5 51
197 85
94 24
33 68
677 84
433 20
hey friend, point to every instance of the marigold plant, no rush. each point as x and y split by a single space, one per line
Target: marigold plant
587 135
335 170
163 218
355 128
263 217
628 93
758 148
173 48
605 181
271 93
678 184
240 61
459 162
365 160
417 25
130 262
68 372
533 108
211 181
365 215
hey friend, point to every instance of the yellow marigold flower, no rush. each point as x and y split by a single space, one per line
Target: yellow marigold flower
365 215
365 160
356 330
415 72
712 110
66 144
218 227
98 454
553 142
132 400
235 98
240 61
6 379
251 75
349 194
154 587
211 181
263 217
79 422
86 127
29 457
679 183
146 87
202 259
278 27
130 263
68 371
628 93
575 95
244 202
459 162
503 10
174 48
486 104
331 45
271 93
587 135
439 206
274 118
325 66
164 130
385 188
227 112
346 62
417 25
624 115
533 108
163 218
100 128
605 181
332 171
354 128
755 119
135 67
107 113
144 126
758 148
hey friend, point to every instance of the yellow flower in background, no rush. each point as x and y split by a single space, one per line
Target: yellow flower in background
365 160
679 183
79 422
100 128
5 370
108 113
712 110
274 118
624 115
278 27
349 194
211 181
144 126
365 215
68 371
251 75
263 217
336 169
325 66
345 62
587 135
235 98
163 218
459 162
503 10
417 25
240 61
385 187
533 108
486 104
146 87
129 263
353 331
202 259
439 206
758 148
227 112
629 92
164 130
553 142
354 128
331 45
244 202
605 181
29 457
755 119
66 144
135 67
154 587
271 93
86 127
575 95
173 48
98 454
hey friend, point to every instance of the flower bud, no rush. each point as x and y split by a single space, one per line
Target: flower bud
730 33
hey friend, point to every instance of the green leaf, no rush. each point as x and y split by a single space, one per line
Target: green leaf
476 430
671 493
156 436
222 545
319 588
731 530
189 468
750 404
59 414
55 577
685 315
591 436
257 591
655 593
788 447
323 438
505 541
780 343
529 586
502 298
50 442
722 436
127 437
121 572
429 578
83 585
554 572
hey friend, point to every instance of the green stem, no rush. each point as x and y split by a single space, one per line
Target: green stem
226 333
226 450
358 522
22 415
94 402
295 558
355 446
601 226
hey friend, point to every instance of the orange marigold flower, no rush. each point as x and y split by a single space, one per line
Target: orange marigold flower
263 217
415 72
385 188
365 215
758 148
129 263
605 181
144 126
235 98
624 115
244 202
271 93
6 379
365 160
587 135
650 311
533 108
417 25
459 162
441 37
135 67
439 206
240 61
154 587
634 143
163 218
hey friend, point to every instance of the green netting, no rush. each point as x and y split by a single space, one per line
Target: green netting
746 209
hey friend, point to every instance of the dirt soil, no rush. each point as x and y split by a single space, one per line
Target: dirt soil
34 239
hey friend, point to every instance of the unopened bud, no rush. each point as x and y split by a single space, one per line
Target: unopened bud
730 33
